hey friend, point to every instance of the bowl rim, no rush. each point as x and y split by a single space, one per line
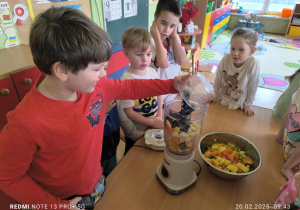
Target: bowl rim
230 173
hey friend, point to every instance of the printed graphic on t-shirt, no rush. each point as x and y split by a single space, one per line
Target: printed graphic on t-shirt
293 124
95 109
292 137
170 57
146 107
230 87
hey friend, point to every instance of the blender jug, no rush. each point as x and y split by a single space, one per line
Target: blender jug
184 115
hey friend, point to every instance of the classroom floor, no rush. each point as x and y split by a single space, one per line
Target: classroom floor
265 98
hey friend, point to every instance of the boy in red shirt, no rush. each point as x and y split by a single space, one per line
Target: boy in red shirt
50 149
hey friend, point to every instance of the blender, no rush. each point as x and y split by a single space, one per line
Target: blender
184 114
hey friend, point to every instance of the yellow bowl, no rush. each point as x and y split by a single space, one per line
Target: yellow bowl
239 141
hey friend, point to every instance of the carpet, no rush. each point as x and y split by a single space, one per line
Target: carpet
278 56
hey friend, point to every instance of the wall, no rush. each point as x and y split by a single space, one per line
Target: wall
274 25
23 31
97 12
152 8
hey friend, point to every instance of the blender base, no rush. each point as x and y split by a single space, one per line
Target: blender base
171 188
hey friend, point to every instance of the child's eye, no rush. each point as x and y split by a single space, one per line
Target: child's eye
232 49
139 55
241 50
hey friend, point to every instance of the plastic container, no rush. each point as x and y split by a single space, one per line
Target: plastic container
184 114
286 12
294 31
210 6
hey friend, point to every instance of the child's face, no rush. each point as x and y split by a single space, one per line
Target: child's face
240 51
85 80
166 23
138 59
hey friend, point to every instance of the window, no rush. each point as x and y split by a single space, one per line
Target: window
265 6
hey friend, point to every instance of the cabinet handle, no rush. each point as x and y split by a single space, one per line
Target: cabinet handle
4 91
27 81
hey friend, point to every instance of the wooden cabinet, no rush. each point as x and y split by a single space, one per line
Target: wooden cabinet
293 28
13 88
212 23
8 98
24 80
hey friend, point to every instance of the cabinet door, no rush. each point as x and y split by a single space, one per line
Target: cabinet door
24 80
8 99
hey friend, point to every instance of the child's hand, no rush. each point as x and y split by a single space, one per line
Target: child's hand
178 80
154 31
248 111
157 123
287 172
212 100
73 203
279 138
109 106
174 32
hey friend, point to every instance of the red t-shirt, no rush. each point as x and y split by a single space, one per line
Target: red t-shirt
50 150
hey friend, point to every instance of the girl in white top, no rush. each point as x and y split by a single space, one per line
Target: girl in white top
237 76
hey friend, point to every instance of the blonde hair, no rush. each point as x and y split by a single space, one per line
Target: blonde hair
137 37
248 34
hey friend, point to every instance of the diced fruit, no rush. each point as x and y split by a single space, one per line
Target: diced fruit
248 160
226 162
232 168
215 162
221 149
215 146
228 158
231 145
242 167
168 123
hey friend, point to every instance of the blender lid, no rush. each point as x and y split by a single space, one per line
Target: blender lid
196 88
154 139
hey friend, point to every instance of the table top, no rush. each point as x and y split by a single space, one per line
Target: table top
133 184
196 32
192 47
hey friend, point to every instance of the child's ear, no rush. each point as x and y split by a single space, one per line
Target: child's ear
60 72
125 52
253 50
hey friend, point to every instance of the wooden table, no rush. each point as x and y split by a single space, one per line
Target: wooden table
133 185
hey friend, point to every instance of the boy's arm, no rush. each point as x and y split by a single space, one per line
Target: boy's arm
179 51
161 59
136 117
160 109
127 124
